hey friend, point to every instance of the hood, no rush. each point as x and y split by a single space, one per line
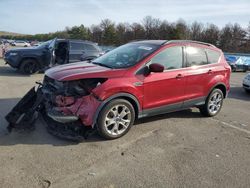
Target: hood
26 49
82 70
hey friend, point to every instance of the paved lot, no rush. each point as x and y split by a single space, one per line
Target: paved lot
179 149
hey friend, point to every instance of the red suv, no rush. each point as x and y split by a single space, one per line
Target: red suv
138 79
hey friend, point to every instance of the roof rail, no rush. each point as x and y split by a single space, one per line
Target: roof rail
190 41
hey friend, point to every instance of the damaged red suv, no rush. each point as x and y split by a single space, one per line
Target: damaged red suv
138 79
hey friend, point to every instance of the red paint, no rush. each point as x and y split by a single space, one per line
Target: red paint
84 107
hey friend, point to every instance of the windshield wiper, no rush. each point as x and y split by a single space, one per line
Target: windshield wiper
96 63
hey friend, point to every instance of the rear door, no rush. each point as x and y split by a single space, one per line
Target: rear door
164 91
76 51
198 73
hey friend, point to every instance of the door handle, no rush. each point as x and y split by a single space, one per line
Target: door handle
179 76
210 71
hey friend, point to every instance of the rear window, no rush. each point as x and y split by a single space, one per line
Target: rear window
89 47
195 56
213 56
76 46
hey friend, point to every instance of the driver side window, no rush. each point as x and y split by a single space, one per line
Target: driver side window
170 58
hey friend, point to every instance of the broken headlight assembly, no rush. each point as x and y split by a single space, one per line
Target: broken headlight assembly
64 102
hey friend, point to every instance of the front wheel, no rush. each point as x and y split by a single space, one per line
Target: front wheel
213 103
115 119
29 66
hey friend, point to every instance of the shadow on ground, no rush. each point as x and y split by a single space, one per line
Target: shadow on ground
239 93
8 71
40 136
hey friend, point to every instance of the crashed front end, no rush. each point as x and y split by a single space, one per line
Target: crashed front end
68 107
70 101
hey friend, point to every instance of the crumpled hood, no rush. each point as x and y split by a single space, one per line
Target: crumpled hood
82 70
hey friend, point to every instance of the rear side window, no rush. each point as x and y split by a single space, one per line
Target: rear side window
170 58
195 56
213 56
76 46
89 47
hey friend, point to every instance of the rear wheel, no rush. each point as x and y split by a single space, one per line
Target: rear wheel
213 103
115 119
29 66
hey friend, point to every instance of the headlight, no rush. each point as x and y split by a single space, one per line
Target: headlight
13 53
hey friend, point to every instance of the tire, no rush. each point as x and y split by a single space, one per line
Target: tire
111 114
247 91
29 66
213 103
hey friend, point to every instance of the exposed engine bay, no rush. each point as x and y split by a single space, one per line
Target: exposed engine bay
67 107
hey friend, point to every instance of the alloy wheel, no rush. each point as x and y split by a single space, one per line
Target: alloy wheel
117 120
214 103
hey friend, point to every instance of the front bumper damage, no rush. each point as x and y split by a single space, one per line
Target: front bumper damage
70 117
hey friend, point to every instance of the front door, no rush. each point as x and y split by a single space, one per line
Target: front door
49 53
164 91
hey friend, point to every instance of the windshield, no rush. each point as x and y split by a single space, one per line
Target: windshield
126 55
44 44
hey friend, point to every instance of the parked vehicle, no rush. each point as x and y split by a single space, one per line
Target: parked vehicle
51 53
20 43
238 63
136 80
246 83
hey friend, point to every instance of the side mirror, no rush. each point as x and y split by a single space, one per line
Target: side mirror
155 67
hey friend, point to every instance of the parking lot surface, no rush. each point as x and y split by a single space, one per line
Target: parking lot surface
181 149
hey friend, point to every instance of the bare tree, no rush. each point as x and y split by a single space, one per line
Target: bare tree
151 27
211 34
138 31
196 30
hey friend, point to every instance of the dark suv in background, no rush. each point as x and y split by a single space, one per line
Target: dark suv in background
51 53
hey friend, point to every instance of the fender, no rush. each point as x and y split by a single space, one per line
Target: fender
36 58
219 84
118 95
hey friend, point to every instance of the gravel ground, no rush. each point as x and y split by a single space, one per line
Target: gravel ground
181 149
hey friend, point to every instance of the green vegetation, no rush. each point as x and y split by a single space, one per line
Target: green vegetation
230 38
5 33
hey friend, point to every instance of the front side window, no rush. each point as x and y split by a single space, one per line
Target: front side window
195 56
170 58
213 56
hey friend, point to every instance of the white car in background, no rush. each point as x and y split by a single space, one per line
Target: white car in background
246 83
20 43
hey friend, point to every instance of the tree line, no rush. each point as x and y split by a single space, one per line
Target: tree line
230 38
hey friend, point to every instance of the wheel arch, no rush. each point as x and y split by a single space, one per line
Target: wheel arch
26 58
220 86
127 96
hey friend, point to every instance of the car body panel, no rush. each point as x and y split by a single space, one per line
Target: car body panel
82 70
246 82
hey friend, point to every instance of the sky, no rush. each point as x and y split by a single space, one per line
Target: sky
43 16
